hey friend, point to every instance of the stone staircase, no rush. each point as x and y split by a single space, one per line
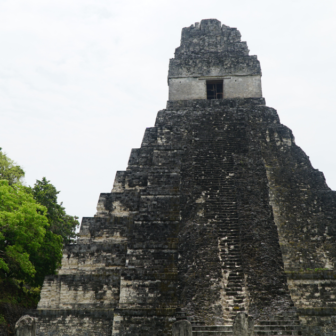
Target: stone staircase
229 245
218 180
215 170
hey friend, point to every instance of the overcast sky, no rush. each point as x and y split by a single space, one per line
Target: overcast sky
80 80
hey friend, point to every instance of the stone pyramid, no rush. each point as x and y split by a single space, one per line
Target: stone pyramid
218 212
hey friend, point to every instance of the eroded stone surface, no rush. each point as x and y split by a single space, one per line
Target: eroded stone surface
212 51
243 325
218 213
181 328
25 326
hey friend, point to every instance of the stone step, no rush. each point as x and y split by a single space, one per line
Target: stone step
224 260
240 283
237 300
196 323
234 278
234 294
233 247
234 288
233 309
231 267
224 236
213 328
228 330
277 332
235 251
232 243
277 327
228 261
231 263
220 198
236 281
229 239
279 322
212 333
229 235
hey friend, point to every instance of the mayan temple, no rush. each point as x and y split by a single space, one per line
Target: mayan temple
219 213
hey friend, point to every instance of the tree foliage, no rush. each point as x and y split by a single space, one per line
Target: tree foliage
33 227
60 223
9 170
23 224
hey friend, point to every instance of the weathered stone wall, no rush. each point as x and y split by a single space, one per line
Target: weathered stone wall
213 211
304 210
242 87
74 323
192 224
314 294
225 185
210 50
180 88
304 207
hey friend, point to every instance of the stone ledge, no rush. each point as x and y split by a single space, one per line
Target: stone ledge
318 275
146 311
318 311
205 103
95 313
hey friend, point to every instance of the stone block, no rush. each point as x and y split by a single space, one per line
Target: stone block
181 328
243 325
25 326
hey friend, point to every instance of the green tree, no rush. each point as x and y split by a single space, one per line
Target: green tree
23 224
9 170
33 228
60 223
31 247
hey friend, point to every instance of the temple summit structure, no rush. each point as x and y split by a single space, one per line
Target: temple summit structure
218 213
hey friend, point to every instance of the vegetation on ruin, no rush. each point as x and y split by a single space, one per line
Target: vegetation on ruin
33 229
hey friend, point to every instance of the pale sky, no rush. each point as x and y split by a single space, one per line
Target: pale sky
80 80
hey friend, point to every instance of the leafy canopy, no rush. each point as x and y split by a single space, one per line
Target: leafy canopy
9 170
33 227
23 224
60 223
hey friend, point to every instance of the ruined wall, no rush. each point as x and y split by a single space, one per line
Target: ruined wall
180 88
304 210
74 322
210 51
314 294
304 207
230 259
242 87
193 224
218 212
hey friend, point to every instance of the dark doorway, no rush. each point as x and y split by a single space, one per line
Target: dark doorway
214 89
